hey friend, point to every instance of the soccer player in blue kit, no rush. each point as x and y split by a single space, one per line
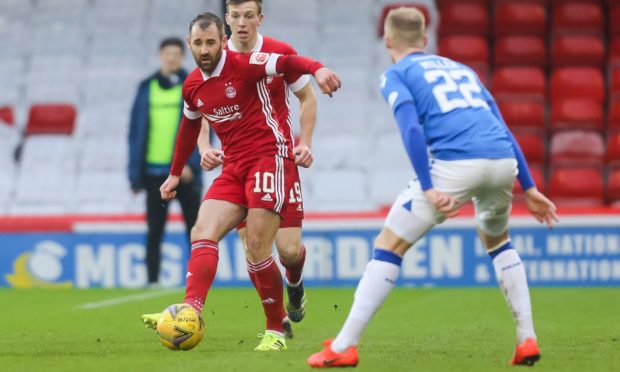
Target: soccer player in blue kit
441 104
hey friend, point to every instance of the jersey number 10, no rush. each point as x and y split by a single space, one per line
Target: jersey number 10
455 81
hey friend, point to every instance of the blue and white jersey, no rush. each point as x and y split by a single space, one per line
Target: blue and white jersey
451 103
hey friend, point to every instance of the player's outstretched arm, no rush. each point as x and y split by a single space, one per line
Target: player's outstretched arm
307 122
210 158
541 207
326 79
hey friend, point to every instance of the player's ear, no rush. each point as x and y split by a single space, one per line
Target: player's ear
224 40
226 17
387 41
260 19
189 44
424 40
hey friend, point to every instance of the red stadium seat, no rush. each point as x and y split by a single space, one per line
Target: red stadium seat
464 17
578 17
578 50
613 115
386 9
523 113
520 50
613 148
7 116
576 186
614 80
577 147
519 82
470 50
51 119
520 18
614 50
613 186
614 19
576 113
578 82
533 147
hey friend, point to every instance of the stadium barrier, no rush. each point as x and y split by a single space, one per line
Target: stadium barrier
83 252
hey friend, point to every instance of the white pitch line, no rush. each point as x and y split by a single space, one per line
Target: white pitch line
124 299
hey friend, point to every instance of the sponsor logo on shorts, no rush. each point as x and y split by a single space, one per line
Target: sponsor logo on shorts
267 198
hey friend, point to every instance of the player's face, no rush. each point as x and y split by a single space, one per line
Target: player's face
206 46
171 58
244 20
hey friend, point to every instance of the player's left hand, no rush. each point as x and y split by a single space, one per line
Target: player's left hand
303 156
327 80
443 202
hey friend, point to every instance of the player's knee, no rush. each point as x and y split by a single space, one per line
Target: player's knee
199 232
255 244
492 242
289 253
390 241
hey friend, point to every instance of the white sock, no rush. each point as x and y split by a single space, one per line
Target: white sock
372 290
511 277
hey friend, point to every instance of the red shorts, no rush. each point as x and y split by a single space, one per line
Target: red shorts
269 182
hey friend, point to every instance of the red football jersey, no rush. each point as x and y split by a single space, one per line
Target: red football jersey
278 86
236 103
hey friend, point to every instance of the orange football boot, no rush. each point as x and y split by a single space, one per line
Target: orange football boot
526 354
328 358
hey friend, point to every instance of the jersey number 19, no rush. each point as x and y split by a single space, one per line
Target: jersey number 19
455 81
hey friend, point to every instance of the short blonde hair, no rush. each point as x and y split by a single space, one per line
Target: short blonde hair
405 26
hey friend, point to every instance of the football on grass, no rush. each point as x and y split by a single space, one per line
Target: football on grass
180 327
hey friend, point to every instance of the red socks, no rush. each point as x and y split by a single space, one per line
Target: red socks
268 282
293 272
201 271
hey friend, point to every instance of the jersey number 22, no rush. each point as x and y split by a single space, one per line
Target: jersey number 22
455 81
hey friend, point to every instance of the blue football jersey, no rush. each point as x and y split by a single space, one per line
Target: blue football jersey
452 106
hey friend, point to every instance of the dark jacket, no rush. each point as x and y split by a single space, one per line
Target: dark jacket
138 135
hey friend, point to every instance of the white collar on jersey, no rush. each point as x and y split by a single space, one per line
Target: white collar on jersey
218 68
257 47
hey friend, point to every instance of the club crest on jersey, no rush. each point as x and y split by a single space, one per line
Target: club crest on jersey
230 92
259 58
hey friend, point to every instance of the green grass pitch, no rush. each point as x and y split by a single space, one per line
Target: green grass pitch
416 330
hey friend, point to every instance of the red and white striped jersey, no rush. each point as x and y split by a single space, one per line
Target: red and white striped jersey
279 86
237 104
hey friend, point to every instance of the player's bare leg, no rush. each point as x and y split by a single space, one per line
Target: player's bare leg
513 282
215 219
293 256
374 287
261 228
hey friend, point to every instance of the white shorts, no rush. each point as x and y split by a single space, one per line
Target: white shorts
486 182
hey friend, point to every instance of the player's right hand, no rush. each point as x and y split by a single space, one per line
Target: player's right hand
327 80
303 156
211 159
541 207
443 202
168 188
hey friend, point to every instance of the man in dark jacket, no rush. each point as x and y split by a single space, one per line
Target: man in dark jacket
155 118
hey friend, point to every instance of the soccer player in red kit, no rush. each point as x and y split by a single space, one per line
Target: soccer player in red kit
228 89
244 17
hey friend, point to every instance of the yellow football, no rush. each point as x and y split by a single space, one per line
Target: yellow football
180 327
